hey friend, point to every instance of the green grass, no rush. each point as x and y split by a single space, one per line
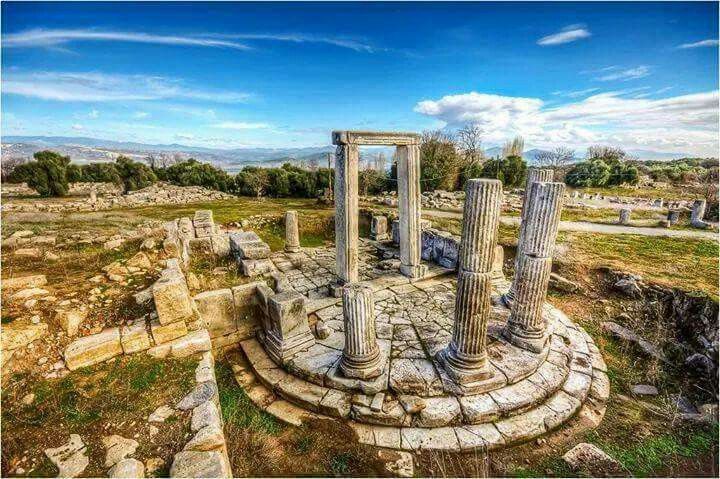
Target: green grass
670 193
237 408
689 264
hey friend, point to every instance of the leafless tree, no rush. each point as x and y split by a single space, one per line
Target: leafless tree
313 164
469 141
7 165
601 152
556 158
514 147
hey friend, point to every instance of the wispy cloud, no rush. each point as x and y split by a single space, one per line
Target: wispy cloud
575 93
702 43
686 123
141 114
100 87
616 73
41 37
352 44
568 34
240 125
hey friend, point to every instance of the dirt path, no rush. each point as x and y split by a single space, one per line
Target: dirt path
595 227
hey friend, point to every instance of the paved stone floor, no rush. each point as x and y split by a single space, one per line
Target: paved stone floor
413 404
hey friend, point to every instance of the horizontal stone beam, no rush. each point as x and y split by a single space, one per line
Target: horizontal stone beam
344 137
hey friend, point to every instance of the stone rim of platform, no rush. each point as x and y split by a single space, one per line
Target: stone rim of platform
500 417
587 401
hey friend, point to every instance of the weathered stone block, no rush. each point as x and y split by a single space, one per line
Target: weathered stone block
238 238
217 311
379 228
253 250
164 333
172 299
134 337
93 349
22 282
220 245
193 342
287 330
200 464
255 267
245 295
70 320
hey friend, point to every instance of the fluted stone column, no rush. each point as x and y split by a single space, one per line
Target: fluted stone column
465 358
624 217
526 327
533 176
361 357
673 217
292 233
346 212
408 174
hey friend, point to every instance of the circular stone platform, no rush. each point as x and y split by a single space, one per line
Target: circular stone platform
413 404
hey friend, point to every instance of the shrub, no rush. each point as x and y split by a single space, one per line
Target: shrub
47 174
194 173
511 171
134 175
101 173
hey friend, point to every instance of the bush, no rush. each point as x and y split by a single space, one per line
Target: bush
74 173
588 173
134 175
101 173
439 162
511 171
194 173
47 174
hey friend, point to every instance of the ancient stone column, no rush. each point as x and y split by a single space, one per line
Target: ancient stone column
292 233
673 217
346 212
533 175
379 228
408 174
697 213
624 217
93 196
465 358
361 357
526 327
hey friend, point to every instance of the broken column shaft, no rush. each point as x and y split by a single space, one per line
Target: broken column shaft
533 175
408 174
346 212
465 358
526 327
361 357
292 233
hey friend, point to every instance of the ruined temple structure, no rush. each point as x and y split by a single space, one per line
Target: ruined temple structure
413 346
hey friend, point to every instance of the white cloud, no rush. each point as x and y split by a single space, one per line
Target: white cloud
568 34
40 37
100 87
240 125
77 127
93 114
576 93
141 114
701 43
624 75
688 122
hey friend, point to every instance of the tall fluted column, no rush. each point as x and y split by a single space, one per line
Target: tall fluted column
698 213
533 175
346 212
292 233
526 327
465 358
408 174
361 357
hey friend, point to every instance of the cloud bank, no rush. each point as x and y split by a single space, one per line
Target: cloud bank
688 122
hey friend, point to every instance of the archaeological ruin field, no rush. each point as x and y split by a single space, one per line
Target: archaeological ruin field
493 331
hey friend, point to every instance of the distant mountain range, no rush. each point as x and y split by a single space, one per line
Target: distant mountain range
85 150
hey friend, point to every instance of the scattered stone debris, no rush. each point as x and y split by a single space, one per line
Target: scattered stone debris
397 463
118 448
70 459
161 413
590 460
644 390
629 336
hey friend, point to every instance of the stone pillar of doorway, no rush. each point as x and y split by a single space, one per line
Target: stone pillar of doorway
346 215
408 174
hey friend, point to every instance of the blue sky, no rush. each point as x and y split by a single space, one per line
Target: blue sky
639 75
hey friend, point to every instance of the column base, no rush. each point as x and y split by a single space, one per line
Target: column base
535 344
507 299
292 249
281 350
413 271
363 368
465 380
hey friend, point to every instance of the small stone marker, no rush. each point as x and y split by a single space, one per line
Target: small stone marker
590 460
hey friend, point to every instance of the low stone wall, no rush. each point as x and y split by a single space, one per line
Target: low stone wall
16 189
157 194
101 189
205 455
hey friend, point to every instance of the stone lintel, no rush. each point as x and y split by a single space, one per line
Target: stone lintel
389 138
